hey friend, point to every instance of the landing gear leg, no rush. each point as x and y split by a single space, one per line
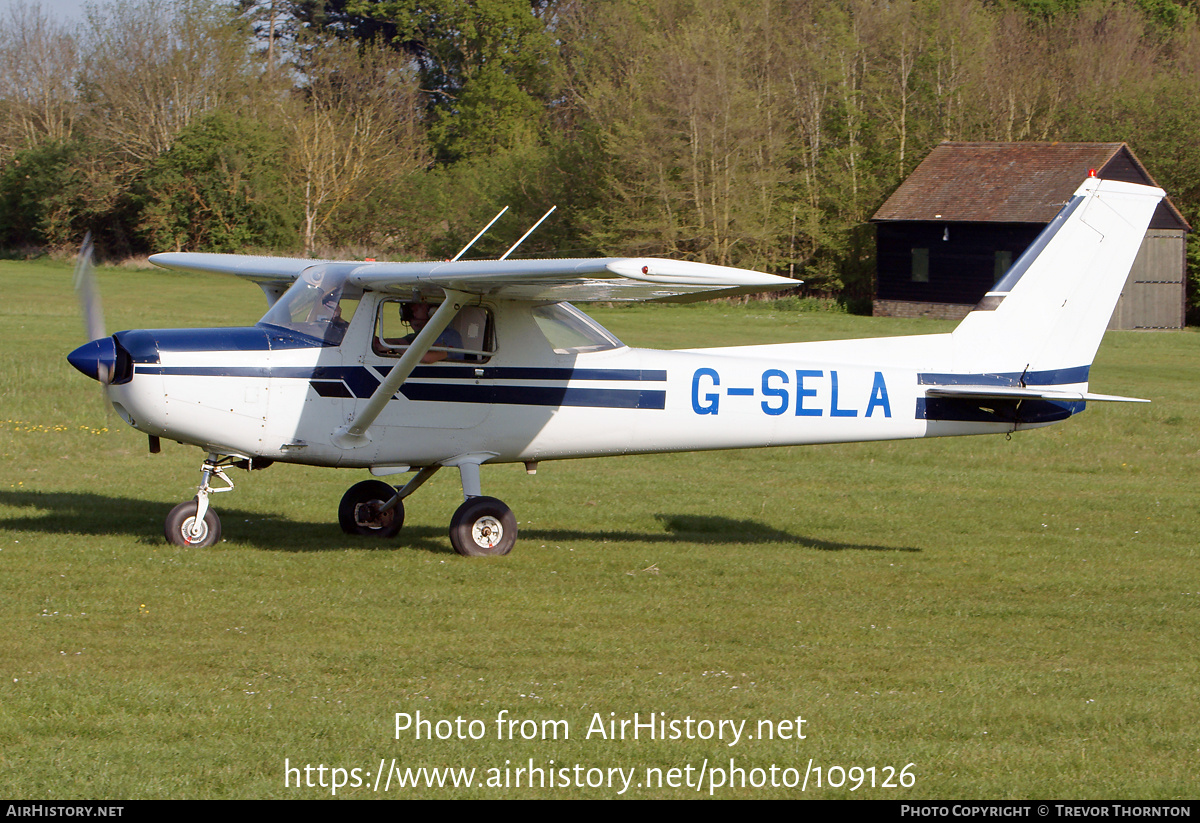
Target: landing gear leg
193 523
482 526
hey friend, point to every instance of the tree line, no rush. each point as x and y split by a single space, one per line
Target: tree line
757 134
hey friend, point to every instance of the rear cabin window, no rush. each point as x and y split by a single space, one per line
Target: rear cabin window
570 331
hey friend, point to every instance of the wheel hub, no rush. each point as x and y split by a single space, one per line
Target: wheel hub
367 515
190 535
487 531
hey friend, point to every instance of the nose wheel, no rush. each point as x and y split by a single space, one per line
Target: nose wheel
181 527
193 524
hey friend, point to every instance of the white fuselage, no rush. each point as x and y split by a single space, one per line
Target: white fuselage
526 401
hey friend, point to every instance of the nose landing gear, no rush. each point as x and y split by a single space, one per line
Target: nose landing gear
193 523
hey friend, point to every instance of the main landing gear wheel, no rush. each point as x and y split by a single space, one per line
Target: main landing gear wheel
181 521
483 527
359 512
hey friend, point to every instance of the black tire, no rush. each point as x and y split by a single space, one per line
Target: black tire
483 527
358 513
178 527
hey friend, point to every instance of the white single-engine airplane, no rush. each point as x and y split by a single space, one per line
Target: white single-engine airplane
398 367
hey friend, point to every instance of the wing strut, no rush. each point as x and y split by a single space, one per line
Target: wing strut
353 435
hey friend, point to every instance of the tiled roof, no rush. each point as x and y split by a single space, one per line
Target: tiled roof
1006 182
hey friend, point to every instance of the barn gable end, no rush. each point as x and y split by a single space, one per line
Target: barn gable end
969 209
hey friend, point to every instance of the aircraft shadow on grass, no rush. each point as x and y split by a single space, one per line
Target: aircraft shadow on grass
694 529
84 513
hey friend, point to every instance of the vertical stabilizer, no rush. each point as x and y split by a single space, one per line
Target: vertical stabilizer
1045 318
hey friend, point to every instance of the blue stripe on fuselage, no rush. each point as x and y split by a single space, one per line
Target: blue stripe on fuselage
537 396
1052 377
362 381
464 372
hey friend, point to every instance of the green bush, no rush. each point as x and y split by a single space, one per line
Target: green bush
43 196
221 187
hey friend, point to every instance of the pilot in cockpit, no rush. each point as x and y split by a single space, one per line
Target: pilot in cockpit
333 311
417 316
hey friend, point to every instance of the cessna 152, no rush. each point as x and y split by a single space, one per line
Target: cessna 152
344 369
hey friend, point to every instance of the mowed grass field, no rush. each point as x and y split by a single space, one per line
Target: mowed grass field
1015 619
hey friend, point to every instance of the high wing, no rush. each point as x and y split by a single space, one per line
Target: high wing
608 279
273 274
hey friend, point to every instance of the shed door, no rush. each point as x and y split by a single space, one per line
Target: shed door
1154 293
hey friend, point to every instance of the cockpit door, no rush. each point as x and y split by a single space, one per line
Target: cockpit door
454 391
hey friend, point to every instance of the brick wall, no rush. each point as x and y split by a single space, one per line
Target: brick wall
905 308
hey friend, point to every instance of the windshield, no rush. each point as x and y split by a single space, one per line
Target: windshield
318 305
570 331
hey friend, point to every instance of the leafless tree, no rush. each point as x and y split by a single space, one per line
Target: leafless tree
39 60
153 66
356 124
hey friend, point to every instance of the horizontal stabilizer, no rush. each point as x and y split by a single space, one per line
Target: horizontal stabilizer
1022 393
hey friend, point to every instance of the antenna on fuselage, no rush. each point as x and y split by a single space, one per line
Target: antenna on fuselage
476 237
526 234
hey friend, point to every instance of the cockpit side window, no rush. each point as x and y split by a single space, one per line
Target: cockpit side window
470 337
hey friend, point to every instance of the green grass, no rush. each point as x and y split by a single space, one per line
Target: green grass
1017 619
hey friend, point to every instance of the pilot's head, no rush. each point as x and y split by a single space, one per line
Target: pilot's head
330 302
416 314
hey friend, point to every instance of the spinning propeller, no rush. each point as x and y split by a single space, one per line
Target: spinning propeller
98 358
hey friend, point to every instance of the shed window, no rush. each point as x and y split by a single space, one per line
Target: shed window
920 265
1003 264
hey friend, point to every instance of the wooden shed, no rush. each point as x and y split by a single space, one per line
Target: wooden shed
968 211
